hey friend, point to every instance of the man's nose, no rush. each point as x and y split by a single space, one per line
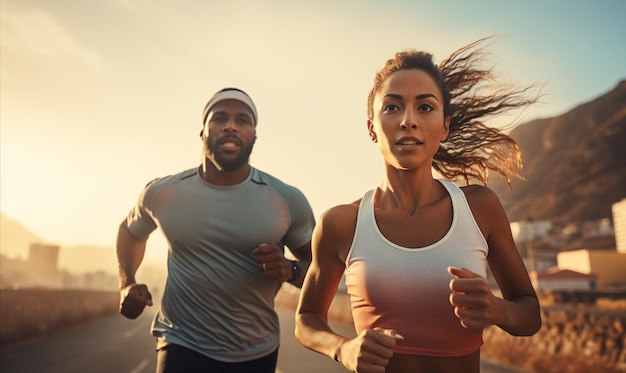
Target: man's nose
230 126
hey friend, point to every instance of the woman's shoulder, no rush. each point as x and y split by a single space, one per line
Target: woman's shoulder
486 207
479 193
335 229
481 198
341 214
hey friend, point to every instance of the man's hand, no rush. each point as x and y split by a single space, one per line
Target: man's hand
473 302
133 299
369 352
272 262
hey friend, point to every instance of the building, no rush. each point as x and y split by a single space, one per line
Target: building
563 279
619 224
38 270
42 267
527 231
608 265
43 259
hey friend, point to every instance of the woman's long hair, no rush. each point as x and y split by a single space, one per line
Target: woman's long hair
471 96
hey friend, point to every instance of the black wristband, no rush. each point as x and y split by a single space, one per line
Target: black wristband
297 270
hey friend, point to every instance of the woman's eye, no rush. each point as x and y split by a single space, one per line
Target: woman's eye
388 108
425 107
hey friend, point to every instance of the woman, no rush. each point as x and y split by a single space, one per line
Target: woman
415 250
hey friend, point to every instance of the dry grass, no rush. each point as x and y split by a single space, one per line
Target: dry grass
26 313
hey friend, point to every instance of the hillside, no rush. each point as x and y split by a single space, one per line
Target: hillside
15 238
574 164
15 241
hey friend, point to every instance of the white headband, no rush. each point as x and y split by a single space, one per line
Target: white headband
229 94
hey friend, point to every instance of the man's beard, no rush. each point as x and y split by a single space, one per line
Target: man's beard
227 164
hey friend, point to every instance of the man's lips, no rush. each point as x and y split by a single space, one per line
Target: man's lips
230 142
229 146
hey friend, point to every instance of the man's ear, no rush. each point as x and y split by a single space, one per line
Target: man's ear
204 132
370 130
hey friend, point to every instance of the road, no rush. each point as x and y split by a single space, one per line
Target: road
109 344
115 344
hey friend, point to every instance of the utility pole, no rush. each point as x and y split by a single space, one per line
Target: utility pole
530 258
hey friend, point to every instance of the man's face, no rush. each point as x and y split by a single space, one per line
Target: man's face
229 134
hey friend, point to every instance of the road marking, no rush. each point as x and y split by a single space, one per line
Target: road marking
144 363
136 329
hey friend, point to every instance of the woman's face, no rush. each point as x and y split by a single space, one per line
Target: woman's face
408 122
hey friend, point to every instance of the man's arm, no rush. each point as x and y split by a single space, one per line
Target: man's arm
303 258
130 251
273 264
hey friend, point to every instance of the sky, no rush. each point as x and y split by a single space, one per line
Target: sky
99 97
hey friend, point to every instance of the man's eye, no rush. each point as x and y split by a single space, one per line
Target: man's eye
218 119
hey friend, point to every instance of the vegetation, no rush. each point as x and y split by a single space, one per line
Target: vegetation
27 313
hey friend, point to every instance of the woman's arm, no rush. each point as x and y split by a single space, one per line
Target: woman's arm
371 349
518 312
330 237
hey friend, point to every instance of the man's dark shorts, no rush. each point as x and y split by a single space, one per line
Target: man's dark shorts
178 359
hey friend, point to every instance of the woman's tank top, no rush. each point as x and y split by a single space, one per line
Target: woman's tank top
407 289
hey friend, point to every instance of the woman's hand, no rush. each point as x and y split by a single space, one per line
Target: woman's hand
473 302
369 352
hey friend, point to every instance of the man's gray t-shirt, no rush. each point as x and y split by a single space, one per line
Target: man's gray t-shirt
216 300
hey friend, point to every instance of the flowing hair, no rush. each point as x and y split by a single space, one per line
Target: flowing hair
471 96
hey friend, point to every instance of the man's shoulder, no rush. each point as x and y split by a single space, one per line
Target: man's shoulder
163 181
263 178
290 193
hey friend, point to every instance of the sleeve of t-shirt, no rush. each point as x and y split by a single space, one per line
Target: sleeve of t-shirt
303 221
139 220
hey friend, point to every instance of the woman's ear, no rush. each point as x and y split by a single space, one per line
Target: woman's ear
370 130
446 128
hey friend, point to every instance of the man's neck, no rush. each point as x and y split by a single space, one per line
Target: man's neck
212 175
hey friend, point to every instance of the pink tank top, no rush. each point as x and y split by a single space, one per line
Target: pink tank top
407 289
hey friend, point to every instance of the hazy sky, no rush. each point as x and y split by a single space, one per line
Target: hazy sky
99 97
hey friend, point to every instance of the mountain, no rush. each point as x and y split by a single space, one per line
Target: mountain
574 164
15 241
15 238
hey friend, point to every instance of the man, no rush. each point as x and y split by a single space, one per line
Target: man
225 223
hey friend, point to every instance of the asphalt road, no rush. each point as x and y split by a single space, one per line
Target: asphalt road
115 344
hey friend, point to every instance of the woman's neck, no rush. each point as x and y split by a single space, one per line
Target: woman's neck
408 190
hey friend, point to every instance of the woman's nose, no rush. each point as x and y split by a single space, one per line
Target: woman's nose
409 120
